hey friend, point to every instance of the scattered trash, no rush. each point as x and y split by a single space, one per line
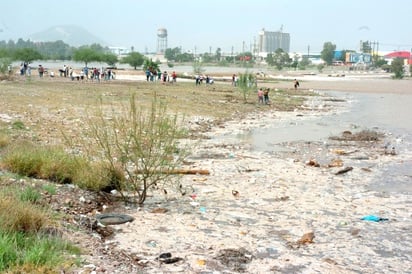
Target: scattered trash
355 231
236 259
202 209
282 199
235 193
313 162
342 171
336 163
151 243
159 210
167 258
373 218
307 238
113 218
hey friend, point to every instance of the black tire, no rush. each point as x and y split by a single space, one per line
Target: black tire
113 218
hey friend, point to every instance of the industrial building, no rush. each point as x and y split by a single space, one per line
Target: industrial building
270 41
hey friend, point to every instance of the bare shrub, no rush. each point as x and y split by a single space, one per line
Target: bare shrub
143 144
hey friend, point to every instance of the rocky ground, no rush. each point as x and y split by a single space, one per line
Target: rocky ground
296 211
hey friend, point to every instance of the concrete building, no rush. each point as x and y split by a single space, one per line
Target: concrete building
270 41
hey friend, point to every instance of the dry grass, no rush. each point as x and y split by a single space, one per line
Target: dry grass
52 107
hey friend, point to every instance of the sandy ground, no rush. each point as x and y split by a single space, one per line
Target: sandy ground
251 214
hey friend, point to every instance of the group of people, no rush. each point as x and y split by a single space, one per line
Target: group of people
200 78
87 73
157 75
263 93
263 96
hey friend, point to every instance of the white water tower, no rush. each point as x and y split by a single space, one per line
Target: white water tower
161 40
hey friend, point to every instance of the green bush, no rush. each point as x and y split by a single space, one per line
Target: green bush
30 194
24 247
22 253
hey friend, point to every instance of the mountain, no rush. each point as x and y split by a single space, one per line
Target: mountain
70 34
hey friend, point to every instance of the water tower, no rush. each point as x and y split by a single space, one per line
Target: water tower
161 40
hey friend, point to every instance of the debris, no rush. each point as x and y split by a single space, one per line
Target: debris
236 259
235 193
113 218
307 238
342 171
180 171
167 258
313 163
373 218
159 210
336 163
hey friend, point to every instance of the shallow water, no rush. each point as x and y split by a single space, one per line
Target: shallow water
388 113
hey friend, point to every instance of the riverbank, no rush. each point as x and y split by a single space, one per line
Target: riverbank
262 213
251 212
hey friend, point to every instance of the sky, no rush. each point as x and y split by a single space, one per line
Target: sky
204 26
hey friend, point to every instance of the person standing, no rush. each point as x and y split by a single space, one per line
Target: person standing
174 76
266 96
164 76
260 96
296 84
41 71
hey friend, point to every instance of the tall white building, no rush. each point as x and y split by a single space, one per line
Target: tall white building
270 41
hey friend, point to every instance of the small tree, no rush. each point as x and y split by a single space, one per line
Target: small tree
397 68
149 64
134 59
198 68
281 58
145 145
109 58
328 52
246 83
27 55
86 55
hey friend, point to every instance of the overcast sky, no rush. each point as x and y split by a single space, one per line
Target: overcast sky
209 24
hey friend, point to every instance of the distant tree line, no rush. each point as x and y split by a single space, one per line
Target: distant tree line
28 51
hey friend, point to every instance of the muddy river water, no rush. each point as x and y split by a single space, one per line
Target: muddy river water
387 113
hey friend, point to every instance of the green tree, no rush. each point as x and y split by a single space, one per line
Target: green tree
27 55
304 63
246 83
218 54
134 59
269 59
86 55
109 58
184 57
171 54
281 59
198 68
151 65
328 52
397 68
207 57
